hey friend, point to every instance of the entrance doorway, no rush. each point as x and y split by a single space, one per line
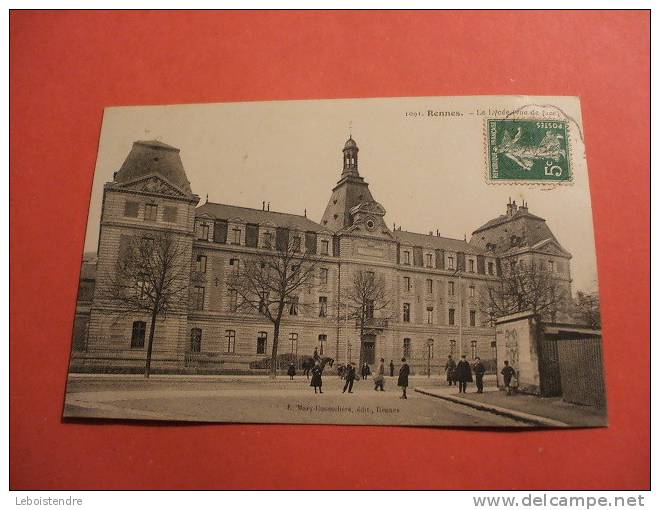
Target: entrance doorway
369 349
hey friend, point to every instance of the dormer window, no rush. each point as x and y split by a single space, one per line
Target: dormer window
406 258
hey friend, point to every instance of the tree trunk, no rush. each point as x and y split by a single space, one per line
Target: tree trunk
147 368
273 358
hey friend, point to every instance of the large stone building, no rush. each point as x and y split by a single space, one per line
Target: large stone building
434 284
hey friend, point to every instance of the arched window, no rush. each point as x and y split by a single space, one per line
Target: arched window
195 340
137 338
262 340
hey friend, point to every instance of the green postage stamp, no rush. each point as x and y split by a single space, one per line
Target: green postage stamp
528 150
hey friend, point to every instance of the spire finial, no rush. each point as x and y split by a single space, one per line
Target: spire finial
350 129
207 198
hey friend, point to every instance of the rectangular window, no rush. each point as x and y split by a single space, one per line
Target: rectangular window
430 347
452 316
150 212
450 262
295 246
233 300
204 232
131 209
450 288
195 340
323 276
230 340
235 264
406 283
198 298
471 290
429 260
406 312
551 266
323 306
322 340
471 265
452 347
262 340
473 348
369 309
493 350
293 306
473 318
137 337
293 339
429 315
169 214
264 302
325 247
407 348
268 240
429 286
236 238
200 265
406 258
491 269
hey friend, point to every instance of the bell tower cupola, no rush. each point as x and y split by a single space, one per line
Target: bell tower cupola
350 157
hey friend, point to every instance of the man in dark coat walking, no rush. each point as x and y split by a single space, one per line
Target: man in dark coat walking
404 371
391 368
479 371
507 372
450 366
316 377
463 374
350 377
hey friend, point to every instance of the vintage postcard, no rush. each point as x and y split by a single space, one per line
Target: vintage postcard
407 261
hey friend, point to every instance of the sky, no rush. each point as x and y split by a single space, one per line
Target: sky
427 171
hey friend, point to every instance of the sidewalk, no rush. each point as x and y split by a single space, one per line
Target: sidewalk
530 409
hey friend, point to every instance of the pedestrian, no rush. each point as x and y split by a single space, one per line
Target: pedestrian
365 370
391 368
291 371
317 382
379 379
450 366
463 374
507 372
404 371
479 370
350 377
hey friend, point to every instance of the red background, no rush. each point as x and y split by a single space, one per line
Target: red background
66 67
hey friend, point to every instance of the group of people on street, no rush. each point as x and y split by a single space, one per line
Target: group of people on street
462 371
350 376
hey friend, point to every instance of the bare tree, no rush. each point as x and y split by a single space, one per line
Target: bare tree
152 277
271 281
587 309
525 287
365 299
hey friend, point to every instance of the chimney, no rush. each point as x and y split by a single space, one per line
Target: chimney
395 227
305 213
430 232
437 233
268 206
263 205
509 208
523 207
514 207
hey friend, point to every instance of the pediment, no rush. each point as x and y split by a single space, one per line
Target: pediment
550 247
153 184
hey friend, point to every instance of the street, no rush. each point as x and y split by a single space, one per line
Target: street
257 399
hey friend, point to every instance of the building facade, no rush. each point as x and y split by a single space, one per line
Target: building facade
435 285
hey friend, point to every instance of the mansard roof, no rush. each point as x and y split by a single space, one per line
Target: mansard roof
505 218
437 242
259 216
153 157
